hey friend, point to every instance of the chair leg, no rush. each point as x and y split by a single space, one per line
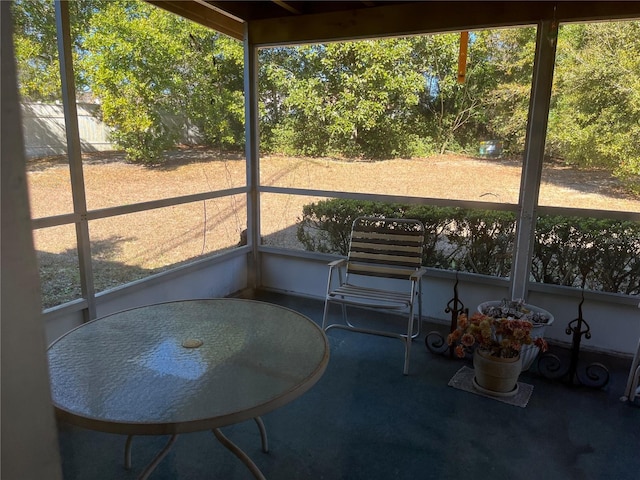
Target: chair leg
345 318
325 314
634 385
419 306
408 340
407 355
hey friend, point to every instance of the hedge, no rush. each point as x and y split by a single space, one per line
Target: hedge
598 254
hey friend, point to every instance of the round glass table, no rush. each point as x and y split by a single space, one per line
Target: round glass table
185 366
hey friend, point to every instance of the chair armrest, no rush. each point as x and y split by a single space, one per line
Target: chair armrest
337 263
417 275
335 266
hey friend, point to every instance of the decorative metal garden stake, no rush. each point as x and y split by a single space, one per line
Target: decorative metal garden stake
434 341
596 375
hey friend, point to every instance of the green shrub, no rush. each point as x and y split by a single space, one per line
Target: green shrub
483 241
439 226
599 254
145 146
326 225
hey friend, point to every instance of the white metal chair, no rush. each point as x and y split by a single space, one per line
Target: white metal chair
383 253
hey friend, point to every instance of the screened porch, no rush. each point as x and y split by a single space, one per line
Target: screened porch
336 430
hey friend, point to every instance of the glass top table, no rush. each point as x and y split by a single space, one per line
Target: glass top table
185 366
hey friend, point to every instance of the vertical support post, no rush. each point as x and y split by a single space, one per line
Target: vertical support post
542 82
252 136
29 436
74 154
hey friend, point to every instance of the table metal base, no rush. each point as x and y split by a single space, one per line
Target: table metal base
221 438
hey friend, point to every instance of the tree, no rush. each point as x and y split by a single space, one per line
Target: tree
455 116
595 118
148 66
508 56
134 47
445 105
280 68
36 48
351 98
149 69
213 87
157 75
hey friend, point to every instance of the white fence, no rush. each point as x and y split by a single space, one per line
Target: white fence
45 134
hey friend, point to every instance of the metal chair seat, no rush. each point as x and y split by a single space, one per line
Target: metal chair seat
371 297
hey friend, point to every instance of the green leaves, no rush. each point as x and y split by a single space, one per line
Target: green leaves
600 254
35 39
149 69
596 117
132 69
158 75
343 98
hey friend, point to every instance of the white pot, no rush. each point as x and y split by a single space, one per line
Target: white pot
528 352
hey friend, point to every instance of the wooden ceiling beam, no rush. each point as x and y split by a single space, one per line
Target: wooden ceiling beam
390 20
429 17
396 19
204 14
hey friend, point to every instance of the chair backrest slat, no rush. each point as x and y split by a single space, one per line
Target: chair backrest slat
385 247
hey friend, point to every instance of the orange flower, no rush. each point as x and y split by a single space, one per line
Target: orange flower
501 337
541 343
454 336
467 340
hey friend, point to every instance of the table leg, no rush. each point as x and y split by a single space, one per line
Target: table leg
154 463
263 434
239 453
127 452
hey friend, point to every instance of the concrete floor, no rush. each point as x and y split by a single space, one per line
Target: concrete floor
365 420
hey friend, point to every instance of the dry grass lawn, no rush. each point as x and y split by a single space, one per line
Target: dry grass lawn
135 245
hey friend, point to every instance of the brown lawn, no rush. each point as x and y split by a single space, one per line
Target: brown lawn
135 245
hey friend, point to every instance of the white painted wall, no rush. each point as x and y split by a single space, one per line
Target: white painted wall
614 319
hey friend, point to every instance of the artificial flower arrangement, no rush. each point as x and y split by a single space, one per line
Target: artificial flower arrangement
500 337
